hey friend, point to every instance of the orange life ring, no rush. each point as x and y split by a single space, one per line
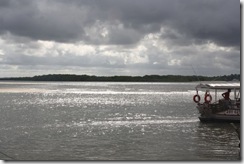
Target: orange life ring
196 98
208 98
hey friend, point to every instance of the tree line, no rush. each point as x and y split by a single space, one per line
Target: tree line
146 78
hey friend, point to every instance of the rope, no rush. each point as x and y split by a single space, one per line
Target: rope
6 155
236 129
195 73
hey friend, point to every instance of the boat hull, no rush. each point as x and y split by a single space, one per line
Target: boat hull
219 118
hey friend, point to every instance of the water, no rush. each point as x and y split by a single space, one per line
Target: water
108 121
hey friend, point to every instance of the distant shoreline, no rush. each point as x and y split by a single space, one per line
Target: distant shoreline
146 78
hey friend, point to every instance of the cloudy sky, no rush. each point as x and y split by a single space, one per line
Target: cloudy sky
119 37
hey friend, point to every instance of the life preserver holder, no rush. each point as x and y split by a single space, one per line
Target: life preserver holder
208 98
196 98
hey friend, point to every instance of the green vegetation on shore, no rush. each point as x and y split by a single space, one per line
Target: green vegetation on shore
146 78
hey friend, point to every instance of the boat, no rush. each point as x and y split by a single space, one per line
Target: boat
221 109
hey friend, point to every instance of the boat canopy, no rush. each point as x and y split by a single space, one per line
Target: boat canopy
227 85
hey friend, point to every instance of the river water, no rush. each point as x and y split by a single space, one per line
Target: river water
108 121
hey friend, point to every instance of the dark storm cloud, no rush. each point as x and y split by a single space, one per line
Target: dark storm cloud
39 21
198 21
216 21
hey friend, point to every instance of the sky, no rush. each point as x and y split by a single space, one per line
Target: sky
120 37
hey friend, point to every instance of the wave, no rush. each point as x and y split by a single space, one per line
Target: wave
110 92
117 123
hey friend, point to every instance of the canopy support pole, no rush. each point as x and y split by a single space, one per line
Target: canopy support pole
215 95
